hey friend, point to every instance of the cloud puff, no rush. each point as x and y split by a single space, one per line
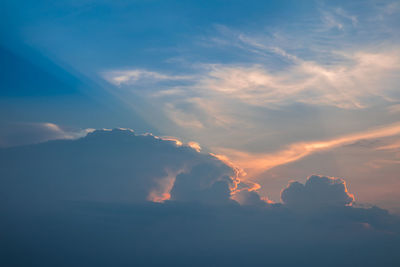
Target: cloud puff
251 198
317 192
208 183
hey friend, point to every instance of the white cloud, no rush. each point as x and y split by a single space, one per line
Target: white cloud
365 77
357 82
118 77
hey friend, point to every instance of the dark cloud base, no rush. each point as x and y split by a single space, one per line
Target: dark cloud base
84 203
176 234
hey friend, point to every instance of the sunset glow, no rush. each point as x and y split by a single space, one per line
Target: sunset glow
254 164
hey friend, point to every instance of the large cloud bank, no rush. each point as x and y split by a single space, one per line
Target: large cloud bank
113 166
92 202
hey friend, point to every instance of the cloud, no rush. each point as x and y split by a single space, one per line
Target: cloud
357 81
205 183
317 192
393 109
114 165
393 146
89 199
338 18
277 81
350 85
14 134
251 198
173 234
255 163
196 146
119 77
253 101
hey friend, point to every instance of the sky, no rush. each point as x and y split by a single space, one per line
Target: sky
247 82
247 100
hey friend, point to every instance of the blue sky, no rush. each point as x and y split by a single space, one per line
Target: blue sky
261 83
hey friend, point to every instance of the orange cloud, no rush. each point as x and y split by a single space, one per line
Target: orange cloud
162 192
255 163
196 146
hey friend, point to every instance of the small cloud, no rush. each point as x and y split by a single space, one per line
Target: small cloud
330 21
317 192
173 139
129 77
344 14
196 146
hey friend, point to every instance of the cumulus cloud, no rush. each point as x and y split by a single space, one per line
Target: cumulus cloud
204 183
114 165
317 192
88 199
251 198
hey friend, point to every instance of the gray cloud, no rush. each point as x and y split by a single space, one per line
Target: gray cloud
208 183
114 166
318 191
84 202
250 198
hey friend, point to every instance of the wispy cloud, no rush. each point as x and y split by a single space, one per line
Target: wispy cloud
255 163
394 109
364 78
337 18
22 133
392 146
118 77
361 80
